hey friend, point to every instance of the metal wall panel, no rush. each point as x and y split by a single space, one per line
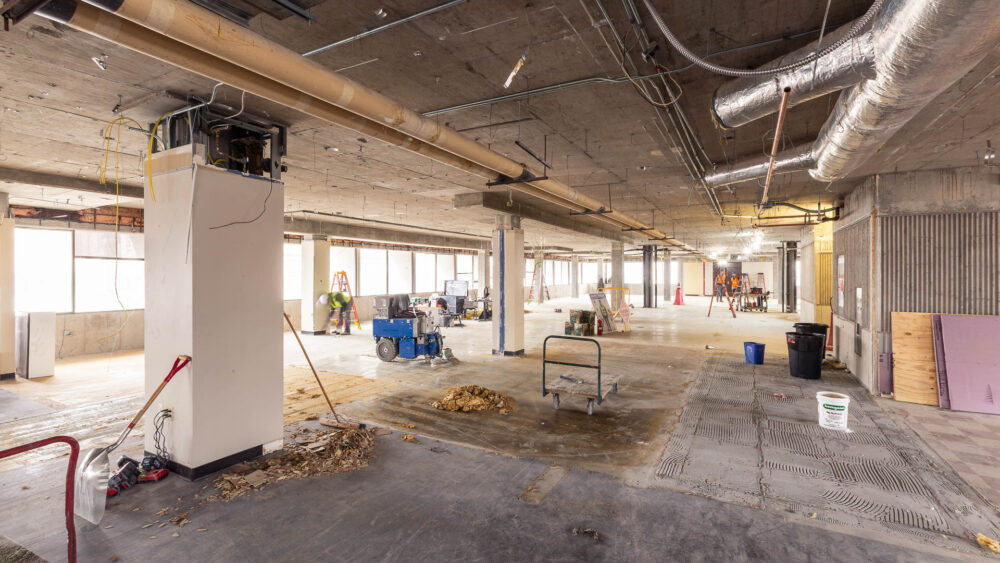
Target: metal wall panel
854 244
945 263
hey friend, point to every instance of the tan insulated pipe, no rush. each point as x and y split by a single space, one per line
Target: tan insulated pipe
206 31
115 29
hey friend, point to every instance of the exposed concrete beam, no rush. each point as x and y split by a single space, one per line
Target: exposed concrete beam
379 234
500 202
48 180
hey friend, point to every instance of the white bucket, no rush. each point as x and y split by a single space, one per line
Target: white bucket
833 410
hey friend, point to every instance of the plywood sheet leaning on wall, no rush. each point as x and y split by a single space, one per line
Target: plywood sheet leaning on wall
914 370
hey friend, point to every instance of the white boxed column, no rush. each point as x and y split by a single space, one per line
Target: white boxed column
213 291
507 291
315 282
6 291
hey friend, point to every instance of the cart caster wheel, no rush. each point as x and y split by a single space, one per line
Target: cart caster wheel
555 401
590 406
614 388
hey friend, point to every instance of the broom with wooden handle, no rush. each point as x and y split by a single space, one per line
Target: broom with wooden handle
336 422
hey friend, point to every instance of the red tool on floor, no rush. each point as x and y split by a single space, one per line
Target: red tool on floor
93 474
74 452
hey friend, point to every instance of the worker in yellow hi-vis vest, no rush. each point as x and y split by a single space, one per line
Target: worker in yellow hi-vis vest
340 307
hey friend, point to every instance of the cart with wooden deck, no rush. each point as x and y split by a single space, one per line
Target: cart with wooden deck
595 385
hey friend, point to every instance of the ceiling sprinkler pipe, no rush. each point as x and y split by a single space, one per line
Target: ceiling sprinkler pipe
185 22
782 111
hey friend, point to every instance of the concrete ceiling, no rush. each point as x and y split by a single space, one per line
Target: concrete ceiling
600 138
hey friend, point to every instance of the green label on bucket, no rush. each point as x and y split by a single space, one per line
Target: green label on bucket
830 407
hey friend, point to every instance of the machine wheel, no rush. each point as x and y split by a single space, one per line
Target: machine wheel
555 401
590 406
386 350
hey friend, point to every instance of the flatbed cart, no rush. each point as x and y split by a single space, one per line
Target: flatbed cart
579 383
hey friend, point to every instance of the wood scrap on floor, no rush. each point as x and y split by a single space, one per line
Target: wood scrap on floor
475 398
335 452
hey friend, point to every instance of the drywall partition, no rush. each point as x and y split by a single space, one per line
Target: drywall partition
752 269
213 291
973 362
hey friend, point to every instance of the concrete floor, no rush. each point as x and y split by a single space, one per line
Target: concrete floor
461 499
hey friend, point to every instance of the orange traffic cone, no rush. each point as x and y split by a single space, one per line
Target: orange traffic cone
679 297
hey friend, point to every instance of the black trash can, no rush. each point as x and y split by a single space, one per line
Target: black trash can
812 328
805 354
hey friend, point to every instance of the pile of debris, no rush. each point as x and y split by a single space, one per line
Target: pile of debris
335 452
469 398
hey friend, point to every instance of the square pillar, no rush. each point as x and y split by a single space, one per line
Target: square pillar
213 291
484 272
507 292
648 275
6 290
574 276
600 273
668 282
617 264
315 282
539 282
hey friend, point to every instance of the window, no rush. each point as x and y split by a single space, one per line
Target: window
104 283
43 270
292 271
373 271
342 260
633 273
426 272
464 268
549 272
529 271
400 271
588 273
98 290
445 270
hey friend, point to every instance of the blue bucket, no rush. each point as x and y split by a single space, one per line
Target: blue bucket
754 352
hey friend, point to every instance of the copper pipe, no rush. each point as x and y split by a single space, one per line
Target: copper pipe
782 110
202 29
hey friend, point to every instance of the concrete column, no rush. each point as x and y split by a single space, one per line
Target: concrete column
617 264
668 281
507 289
6 291
540 281
315 282
216 297
484 271
600 273
574 277
648 274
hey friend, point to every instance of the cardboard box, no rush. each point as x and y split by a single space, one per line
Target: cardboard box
568 327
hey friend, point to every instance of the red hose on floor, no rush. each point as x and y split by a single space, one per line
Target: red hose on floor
74 452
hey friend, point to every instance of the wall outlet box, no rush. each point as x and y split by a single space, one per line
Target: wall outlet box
67 333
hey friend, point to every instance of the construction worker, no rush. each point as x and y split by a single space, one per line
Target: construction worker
340 306
720 285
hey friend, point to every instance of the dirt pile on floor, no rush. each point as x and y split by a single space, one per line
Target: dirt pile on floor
334 452
469 398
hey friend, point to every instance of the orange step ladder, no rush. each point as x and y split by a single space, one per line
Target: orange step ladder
342 284
545 287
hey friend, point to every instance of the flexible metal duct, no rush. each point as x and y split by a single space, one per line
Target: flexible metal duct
922 48
793 160
206 31
745 99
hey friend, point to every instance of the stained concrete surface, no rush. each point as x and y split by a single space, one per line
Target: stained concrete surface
14 406
661 361
434 502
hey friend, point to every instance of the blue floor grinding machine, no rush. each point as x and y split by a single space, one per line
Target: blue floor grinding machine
408 334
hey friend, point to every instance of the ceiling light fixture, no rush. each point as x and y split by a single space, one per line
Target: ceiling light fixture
517 67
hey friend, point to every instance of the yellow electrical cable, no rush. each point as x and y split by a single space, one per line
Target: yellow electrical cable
118 121
149 156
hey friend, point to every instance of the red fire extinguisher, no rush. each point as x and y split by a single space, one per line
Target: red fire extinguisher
600 327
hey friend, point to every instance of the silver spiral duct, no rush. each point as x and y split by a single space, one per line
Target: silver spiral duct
743 100
922 48
788 161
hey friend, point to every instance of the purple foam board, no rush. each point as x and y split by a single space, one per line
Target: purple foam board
972 362
942 369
